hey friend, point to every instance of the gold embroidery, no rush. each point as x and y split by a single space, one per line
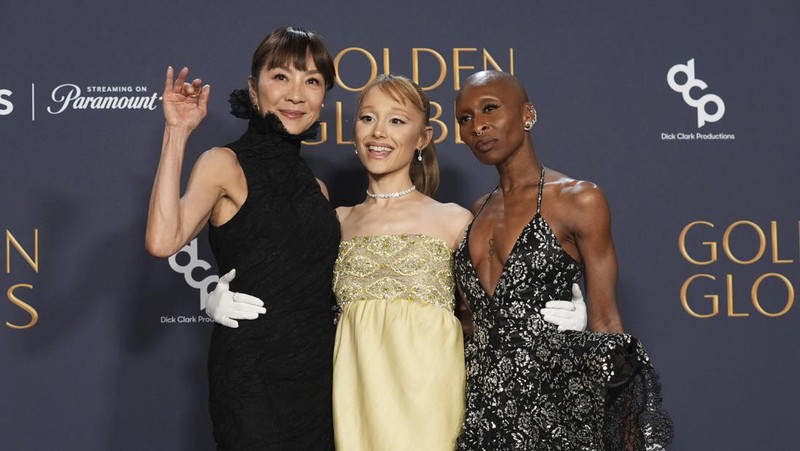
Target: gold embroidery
408 267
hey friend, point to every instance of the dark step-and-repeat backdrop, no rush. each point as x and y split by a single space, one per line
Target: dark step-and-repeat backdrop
684 112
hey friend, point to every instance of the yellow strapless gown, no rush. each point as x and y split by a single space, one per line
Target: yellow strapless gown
398 361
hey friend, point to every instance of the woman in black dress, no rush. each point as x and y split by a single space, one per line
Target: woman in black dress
530 386
270 379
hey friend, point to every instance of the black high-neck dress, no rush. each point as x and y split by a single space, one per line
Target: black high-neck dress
270 378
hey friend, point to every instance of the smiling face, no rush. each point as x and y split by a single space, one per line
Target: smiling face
388 131
294 95
491 110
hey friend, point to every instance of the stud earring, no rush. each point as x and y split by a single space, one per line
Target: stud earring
528 126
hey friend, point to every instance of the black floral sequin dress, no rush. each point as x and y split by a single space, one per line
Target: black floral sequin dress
531 387
270 379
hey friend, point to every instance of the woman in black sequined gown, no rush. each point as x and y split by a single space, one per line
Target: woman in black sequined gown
270 378
530 386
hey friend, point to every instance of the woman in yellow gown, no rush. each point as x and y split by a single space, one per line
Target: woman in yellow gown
398 362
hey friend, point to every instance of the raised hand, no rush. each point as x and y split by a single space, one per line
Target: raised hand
185 104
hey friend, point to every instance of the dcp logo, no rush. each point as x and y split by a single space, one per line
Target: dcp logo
194 262
686 89
6 107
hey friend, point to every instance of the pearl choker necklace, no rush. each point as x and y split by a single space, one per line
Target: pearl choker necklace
391 195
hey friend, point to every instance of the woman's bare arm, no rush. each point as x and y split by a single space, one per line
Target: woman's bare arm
591 222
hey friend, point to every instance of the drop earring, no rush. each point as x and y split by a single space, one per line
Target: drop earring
419 155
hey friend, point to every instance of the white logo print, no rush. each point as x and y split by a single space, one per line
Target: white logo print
187 269
69 95
686 88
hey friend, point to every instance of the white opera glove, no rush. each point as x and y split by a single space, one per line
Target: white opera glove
225 307
567 315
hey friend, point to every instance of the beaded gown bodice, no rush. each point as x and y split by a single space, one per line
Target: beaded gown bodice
413 267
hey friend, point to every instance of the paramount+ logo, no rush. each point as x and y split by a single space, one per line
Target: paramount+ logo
701 103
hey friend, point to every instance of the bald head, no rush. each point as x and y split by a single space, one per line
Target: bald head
492 78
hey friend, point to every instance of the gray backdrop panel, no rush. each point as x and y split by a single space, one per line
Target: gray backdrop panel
102 370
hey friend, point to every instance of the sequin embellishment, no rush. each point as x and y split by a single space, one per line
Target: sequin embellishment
414 267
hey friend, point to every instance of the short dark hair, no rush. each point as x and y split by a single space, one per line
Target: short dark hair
289 46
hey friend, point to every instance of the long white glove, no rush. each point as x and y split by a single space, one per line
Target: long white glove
226 306
567 315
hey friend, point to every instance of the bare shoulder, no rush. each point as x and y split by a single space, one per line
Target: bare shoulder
587 197
446 207
450 210
323 187
217 166
219 155
343 212
452 219
218 159
457 214
582 204
580 194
